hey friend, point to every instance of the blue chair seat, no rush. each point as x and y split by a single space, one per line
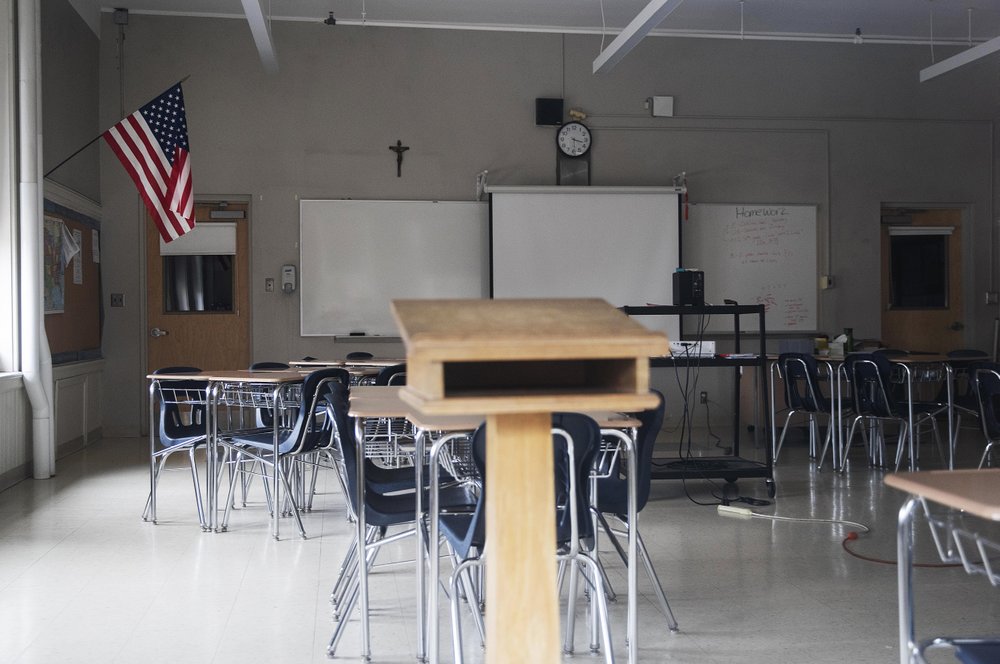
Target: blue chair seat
264 440
978 653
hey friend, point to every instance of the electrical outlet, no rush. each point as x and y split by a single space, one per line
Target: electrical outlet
269 285
118 299
703 397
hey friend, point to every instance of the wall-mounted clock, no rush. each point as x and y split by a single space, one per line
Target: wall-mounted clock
574 139
573 143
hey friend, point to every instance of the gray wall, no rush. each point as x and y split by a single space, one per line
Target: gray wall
70 98
839 126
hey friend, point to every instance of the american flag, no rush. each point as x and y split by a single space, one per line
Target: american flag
152 145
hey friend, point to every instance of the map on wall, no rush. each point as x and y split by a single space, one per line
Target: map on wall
54 270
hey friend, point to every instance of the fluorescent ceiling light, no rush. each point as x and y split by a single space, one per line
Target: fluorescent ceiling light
261 30
646 20
963 58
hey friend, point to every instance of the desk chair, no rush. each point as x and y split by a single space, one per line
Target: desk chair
396 432
576 439
986 382
182 427
964 362
612 496
359 355
269 366
803 395
891 352
382 510
264 414
307 432
394 375
874 403
965 650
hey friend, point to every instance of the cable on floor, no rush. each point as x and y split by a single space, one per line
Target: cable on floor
745 513
851 536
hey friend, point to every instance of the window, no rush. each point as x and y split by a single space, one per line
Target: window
198 269
198 283
918 264
9 265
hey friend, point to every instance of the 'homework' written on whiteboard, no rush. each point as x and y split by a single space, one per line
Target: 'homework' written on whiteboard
757 254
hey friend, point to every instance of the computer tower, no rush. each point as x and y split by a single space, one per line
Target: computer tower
689 287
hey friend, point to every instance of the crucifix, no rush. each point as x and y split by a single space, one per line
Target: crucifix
399 149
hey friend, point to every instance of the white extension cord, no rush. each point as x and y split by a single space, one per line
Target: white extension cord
746 513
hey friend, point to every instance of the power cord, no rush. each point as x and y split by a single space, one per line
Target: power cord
745 513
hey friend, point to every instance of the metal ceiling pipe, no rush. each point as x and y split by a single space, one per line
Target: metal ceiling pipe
36 361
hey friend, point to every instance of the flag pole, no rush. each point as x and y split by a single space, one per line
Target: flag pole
91 142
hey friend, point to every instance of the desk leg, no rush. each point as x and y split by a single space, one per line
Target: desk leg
834 425
911 430
150 514
952 429
276 468
522 618
419 443
212 455
774 425
359 436
904 557
632 626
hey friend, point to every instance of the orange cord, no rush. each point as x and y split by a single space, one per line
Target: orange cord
853 536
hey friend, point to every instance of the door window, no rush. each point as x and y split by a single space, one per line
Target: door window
918 267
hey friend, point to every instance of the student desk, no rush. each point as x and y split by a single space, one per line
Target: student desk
976 492
361 370
916 369
242 388
376 362
831 367
256 389
160 385
518 361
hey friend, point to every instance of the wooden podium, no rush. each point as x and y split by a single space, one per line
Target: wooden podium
518 361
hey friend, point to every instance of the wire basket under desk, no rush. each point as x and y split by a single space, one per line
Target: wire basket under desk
249 405
176 392
957 543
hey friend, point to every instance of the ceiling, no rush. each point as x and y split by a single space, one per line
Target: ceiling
881 21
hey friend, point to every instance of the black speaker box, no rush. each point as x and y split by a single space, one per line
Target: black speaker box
548 111
689 287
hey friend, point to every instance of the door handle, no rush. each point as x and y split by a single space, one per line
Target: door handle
157 332
957 326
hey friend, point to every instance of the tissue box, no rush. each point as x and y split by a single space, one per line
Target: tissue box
836 349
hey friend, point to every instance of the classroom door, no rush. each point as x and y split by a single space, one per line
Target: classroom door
922 308
198 306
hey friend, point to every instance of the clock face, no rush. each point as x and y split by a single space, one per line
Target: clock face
573 139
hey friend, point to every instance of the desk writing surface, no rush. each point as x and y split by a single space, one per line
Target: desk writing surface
974 491
523 328
262 376
390 392
187 375
379 407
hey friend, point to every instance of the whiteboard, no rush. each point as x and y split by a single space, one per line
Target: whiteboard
617 243
757 254
356 257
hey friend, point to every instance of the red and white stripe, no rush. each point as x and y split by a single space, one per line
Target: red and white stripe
165 190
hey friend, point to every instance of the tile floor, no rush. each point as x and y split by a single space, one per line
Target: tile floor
83 579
